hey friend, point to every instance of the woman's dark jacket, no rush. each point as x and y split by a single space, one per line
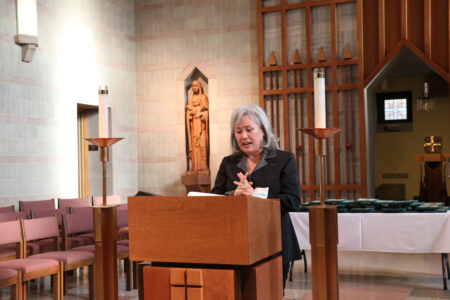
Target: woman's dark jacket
276 170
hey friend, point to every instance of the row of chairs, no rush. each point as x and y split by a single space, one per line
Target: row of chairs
51 263
41 240
63 203
45 208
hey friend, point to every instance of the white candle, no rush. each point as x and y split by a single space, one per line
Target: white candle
103 112
27 17
320 117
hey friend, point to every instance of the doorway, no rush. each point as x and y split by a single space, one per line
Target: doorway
89 165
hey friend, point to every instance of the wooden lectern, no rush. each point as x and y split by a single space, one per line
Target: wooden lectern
207 248
434 188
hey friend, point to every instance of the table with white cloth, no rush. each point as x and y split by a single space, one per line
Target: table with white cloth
387 232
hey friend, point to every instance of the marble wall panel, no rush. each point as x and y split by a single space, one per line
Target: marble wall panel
219 37
82 44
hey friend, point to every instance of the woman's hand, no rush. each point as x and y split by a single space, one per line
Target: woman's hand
243 186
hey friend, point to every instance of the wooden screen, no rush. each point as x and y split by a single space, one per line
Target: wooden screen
420 25
296 36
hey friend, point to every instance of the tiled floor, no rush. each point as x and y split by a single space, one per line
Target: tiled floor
78 288
351 287
363 287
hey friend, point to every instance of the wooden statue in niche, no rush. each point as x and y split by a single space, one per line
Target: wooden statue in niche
197 119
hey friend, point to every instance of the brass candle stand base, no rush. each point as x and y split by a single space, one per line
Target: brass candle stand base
323 228
105 233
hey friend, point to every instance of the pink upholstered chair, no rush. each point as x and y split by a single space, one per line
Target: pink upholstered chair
122 235
122 206
47 228
14 236
85 214
110 200
36 243
122 226
48 213
122 222
10 277
8 251
11 216
123 253
44 245
6 209
30 269
82 210
68 203
76 223
26 206
78 228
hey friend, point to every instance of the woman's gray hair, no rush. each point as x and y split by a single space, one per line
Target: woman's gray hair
260 117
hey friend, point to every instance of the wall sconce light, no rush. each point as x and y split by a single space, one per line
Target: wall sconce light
27 36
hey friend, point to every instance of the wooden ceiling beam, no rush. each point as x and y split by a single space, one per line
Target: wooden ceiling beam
427 27
381 30
404 19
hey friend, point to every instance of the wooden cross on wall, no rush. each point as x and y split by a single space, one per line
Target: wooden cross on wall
433 144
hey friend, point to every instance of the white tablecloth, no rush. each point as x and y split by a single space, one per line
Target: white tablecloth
385 232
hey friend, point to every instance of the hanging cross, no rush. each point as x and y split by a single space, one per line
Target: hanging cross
432 144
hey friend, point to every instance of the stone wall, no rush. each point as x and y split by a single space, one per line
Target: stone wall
219 37
144 50
82 44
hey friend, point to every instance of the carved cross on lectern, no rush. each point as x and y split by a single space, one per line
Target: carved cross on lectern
433 144
186 284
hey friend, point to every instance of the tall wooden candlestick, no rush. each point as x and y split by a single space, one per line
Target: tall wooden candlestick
323 228
105 234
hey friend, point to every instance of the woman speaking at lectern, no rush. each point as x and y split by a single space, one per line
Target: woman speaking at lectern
257 167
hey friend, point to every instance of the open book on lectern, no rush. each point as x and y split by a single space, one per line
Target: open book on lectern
259 192
196 194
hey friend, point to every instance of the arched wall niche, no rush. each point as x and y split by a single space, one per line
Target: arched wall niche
206 74
197 75
391 164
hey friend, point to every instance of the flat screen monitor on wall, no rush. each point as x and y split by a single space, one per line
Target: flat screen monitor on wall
394 111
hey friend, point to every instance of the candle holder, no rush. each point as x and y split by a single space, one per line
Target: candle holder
103 144
105 233
321 135
323 228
